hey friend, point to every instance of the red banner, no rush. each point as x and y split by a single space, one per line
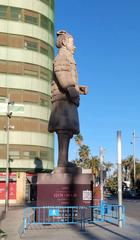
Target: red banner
12 190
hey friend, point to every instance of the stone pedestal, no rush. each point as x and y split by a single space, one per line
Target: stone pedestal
65 187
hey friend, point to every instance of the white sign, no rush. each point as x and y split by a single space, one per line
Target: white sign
3 107
87 195
17 108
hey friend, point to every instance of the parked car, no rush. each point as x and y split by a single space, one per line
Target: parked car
130 193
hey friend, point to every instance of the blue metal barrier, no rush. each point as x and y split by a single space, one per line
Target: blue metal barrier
72 215
111 213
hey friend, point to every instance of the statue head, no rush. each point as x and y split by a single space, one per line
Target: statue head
65 40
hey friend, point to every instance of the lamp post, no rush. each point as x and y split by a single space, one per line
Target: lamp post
134 158
9 115
119 157
101 156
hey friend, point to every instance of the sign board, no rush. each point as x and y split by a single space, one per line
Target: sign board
12 176
12 190
54 212
87 195
3 107
17 108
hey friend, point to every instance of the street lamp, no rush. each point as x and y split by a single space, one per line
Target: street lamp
119 158
134 160
134 156
9 115
101 156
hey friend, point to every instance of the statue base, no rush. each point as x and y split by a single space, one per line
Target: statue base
65 186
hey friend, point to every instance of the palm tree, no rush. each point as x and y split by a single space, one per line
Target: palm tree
95 166
108 166
78 139
84 152
128 169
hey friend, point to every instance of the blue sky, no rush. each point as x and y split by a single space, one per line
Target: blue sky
107 39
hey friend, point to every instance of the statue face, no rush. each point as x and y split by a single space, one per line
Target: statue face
70 45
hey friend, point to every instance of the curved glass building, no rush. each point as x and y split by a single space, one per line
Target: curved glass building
26 55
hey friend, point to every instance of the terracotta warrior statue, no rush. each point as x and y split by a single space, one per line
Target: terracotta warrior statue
65 96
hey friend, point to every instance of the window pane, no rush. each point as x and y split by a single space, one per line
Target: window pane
44 50
51 53
33 154
30 69
14 155
14 68
31 45
52 4
30 72
3 39
44 102
15 14
45 1
43 155
31 19
3 11
44 22
30 155
52 28
45 74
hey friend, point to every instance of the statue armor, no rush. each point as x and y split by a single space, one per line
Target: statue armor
64 114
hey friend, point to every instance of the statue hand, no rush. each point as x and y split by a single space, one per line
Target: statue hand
74 95
83 90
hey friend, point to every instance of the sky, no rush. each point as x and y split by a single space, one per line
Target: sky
107 39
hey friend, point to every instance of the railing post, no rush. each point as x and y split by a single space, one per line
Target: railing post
24 220
82 229
102 210
123 215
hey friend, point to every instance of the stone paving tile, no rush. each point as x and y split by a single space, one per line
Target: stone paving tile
102 231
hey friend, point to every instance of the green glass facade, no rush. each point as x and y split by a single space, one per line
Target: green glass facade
27 52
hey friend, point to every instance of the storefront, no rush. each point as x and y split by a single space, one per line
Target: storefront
12 187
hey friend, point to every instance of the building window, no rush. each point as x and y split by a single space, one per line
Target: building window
49 3
45 1
30 155
14 155
43 155
44 50
51 27
52 4
31 45
10 67
30 73
3 66
45 74
3 12
51 53
31 19
15 14
44 102
3 39
31 70
44 22
14 68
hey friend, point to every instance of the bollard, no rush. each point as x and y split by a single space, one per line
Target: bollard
24 220
102 210
82 229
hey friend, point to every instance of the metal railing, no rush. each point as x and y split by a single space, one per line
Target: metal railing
72 215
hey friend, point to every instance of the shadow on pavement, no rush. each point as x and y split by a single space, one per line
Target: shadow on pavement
2 215
90 236
103 232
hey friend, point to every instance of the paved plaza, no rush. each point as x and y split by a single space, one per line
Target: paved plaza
12 222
